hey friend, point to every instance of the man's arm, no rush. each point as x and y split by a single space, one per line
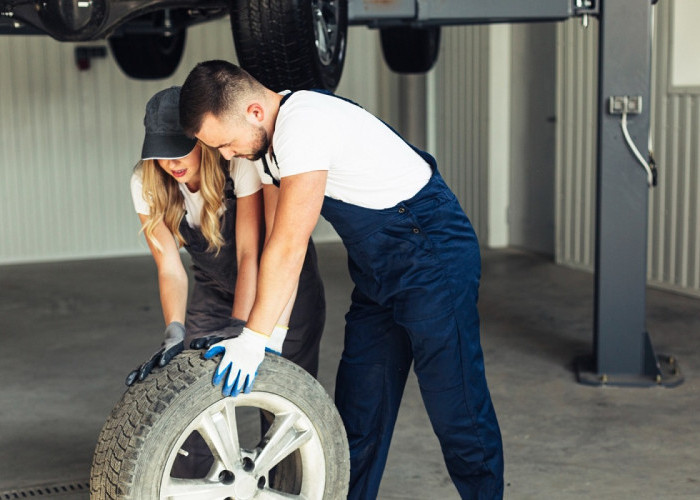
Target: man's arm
249 221
271 195
298 207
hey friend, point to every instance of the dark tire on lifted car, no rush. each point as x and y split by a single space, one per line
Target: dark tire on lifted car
291 44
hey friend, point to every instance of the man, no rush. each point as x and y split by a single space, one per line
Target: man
413 257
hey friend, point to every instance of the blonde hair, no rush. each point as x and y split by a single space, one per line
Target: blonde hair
166 203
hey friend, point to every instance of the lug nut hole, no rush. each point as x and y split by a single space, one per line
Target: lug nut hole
226 477
248 464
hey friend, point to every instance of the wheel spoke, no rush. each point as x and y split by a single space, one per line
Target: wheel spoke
322 34
325 19
279 441
220 431
192 489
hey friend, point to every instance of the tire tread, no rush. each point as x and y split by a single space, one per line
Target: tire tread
275 43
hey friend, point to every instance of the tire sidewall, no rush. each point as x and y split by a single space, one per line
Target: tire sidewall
164 433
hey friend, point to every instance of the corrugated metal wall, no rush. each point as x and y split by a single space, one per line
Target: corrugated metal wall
674 222
576 112
458 103
674 215
69 138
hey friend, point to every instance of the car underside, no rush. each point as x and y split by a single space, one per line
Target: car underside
290 44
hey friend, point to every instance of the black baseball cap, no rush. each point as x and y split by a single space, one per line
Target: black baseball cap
165 138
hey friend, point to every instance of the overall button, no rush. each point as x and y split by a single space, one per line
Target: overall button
402 210
416 230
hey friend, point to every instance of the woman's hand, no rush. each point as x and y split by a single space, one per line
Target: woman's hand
173 344
233 329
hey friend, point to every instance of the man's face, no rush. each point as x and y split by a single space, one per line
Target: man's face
234 138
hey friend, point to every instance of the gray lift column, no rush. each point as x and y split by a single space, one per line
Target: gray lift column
623 352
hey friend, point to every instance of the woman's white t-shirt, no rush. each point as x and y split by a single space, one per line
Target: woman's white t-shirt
368 164
246 182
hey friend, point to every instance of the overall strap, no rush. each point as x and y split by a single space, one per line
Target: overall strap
229 191
266 167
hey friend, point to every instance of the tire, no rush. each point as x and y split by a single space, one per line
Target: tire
141 450
410 50
291 44
148 57
151 56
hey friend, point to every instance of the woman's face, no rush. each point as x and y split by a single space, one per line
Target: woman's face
185 170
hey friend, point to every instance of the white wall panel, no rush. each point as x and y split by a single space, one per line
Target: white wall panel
500 67
674 211
674 222
69 140
577 70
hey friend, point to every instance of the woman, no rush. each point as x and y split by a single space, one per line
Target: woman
186 195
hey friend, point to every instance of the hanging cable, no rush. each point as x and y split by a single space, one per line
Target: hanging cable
650 174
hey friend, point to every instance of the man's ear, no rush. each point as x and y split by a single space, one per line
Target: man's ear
255 112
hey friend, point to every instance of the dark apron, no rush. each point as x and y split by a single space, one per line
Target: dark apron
211 300
416 270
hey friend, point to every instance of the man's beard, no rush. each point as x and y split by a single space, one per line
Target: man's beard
262 145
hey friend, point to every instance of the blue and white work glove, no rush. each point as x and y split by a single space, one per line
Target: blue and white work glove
239 363
276 340
172 345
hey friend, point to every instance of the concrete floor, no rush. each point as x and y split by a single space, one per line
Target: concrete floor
71 331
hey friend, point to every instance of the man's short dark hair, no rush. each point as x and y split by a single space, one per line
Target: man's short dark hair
212 87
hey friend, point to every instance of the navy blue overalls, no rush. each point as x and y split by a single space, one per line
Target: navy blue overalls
211 301
416 269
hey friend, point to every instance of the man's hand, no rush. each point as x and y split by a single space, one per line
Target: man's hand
276 340
172 345
239 363
233 329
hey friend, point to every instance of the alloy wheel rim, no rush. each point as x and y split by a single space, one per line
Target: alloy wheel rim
326 21
243 474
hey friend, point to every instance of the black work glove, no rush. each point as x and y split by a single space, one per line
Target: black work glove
172 345
233 329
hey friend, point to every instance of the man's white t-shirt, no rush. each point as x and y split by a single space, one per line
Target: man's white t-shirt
245 183
368 164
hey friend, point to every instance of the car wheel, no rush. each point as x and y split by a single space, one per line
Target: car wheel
175 436
291 44
150 56
410 50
